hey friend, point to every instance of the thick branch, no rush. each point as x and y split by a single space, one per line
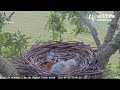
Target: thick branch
90 26
7 70
111 48
111 30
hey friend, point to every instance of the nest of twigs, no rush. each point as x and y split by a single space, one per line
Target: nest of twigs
69 59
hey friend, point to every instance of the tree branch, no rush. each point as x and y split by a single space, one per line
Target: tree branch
111 30
111 48
7 70
90 26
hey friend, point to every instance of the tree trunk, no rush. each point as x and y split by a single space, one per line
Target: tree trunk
111 30
110 49
7 70
111 43
91 28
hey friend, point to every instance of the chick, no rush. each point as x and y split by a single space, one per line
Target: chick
63 67
69 65
58 67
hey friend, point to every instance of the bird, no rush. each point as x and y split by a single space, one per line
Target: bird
62 67
69 65
57 68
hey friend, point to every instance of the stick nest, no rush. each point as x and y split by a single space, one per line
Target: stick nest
59 59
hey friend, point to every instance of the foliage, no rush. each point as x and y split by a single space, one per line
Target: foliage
41 39
118 69
119 52
74 19
56 24
111 73
2 19
57 19
13 44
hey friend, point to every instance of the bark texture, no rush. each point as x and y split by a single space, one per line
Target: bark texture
91 28
6 69
111 43
111 30
108 51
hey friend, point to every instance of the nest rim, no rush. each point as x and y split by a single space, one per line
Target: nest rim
42 72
